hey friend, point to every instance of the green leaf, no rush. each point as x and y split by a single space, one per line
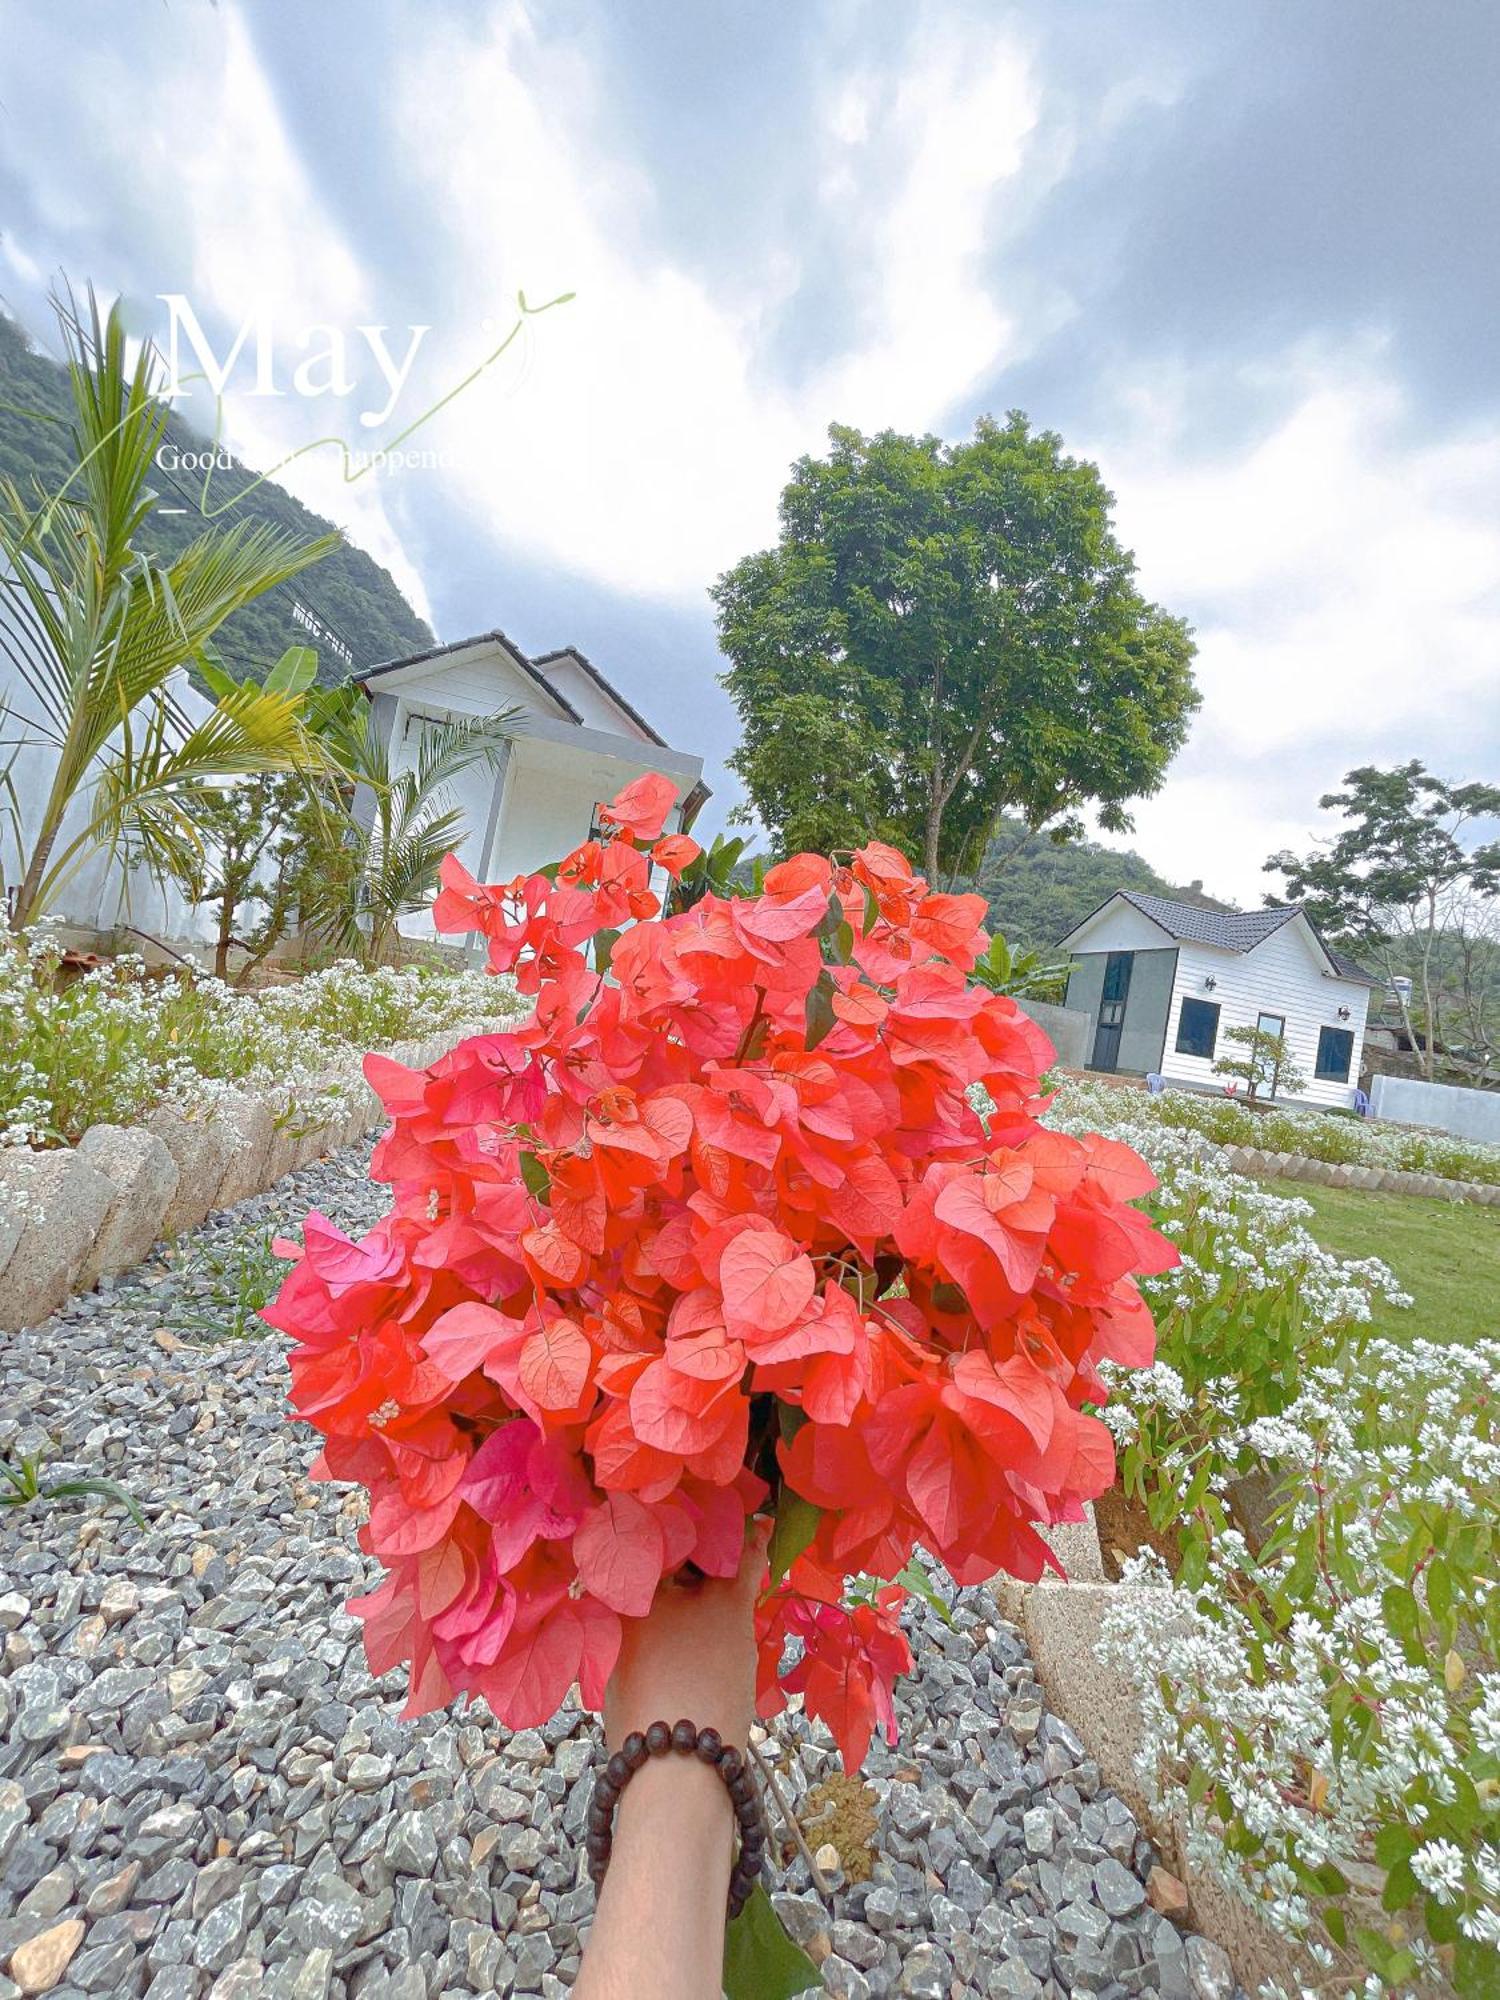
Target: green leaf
1401 1887
215 678
1441 1920
294 672
796 1524
791 1417
913 1577
534 1174
1397 1842
760 1960
1440 1591
821 1018
1373 1947
104 1489
1401 1612
1476 1970
604 949
872 912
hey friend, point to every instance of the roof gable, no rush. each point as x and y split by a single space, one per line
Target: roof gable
481 641
1239 931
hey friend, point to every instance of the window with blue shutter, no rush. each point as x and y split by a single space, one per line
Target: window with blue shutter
1335 1053
1197 1027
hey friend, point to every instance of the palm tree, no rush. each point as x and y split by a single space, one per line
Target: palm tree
99 626
401 824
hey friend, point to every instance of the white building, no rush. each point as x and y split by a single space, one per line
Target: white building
576 742
1163 982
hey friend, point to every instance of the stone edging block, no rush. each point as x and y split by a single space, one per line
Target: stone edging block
1298 1167
69 1218
1062 1624
60 1202
145 1175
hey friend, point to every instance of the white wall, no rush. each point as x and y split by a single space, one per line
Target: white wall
541 819
1282 975
584 693
1120 926
101 893
476 683
1467 1114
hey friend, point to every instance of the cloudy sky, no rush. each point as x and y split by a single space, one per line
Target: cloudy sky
1244 257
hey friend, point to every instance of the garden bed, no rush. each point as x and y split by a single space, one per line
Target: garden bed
138 1106
1305 1689
1363 1145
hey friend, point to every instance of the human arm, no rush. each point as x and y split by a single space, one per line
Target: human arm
659 1928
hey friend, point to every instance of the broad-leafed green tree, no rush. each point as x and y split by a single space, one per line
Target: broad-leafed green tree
943 634
1412 883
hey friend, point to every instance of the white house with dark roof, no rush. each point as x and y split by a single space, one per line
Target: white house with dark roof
1162 983
576 741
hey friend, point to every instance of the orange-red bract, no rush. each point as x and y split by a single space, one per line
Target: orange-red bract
717 1221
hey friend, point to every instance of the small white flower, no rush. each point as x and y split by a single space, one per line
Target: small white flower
1439 1868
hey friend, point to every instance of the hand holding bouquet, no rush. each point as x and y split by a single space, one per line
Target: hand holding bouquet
715 1232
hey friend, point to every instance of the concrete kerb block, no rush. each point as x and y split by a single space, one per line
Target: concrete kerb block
201 1152
1062 1628
145 1175
12 1229
1076 1546
59 1202
248 1128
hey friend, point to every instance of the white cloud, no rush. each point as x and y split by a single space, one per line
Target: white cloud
191 134
1344 573
644 445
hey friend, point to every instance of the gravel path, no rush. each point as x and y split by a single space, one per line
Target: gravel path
204 1792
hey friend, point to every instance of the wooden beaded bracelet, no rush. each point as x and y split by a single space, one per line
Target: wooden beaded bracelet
685 1739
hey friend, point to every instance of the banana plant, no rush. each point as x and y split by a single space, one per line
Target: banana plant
1019 972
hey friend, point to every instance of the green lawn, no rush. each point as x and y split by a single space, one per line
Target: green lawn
1445 1253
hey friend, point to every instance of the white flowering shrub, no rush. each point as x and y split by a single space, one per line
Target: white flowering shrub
113 1044
1321 1699
1314 1135
1328 1709
1254 1302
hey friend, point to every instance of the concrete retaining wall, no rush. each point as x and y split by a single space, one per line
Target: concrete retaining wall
1070 1029
1295 1167
1446 1107
70 1218
1062 1624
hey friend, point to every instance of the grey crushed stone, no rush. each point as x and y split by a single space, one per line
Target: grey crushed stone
196 1762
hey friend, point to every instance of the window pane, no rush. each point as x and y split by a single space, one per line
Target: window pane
1335 1053
1197 1027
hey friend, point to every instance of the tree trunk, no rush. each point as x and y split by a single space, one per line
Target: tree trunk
224 940
31 882
932 836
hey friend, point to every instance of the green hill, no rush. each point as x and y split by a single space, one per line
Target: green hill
348 592
1038 889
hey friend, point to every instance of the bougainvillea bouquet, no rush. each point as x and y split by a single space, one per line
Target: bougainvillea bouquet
715 1231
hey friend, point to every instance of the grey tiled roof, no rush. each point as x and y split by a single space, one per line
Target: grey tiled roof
1230 930
1234 930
